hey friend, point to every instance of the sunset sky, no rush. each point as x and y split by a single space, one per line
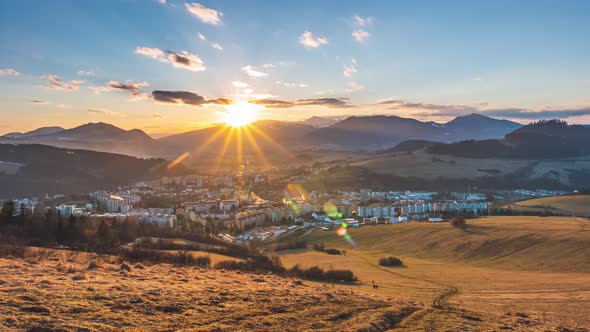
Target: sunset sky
169 66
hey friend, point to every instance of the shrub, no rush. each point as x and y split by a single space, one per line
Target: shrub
459 222
390 261
291 244
137 255
333 252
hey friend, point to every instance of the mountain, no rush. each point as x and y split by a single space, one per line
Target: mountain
92 136
36 132
477 126
375 132
545 139
46 169
320 122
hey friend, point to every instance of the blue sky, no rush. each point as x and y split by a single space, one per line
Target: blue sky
437 59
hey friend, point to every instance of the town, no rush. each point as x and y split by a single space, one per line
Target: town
227 208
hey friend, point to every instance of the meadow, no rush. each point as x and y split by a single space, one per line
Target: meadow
567 205
499 273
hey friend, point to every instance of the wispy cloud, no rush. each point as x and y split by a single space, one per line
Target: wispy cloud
206 15
201 36
253 71
354 87
183 59
360 33
86 73
54 82
291 84
104 112
39 102
239 84
308 40
186 98
278 103
9 72
217 46
351 69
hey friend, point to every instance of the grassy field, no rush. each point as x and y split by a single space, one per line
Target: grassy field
570 205
523 273
62 293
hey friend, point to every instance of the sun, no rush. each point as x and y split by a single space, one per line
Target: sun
240 114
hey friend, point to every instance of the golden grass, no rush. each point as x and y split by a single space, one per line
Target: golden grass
502 268
64 294
570 205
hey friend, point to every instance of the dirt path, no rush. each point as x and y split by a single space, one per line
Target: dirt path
439 303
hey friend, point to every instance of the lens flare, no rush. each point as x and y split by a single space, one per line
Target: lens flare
343 231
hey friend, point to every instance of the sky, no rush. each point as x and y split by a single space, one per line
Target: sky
167 66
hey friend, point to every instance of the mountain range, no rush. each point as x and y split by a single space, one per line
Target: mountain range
271 137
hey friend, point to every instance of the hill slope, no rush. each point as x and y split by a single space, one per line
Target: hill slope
39 295
49 169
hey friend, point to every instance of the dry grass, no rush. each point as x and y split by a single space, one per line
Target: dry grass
58 294
568 205
490 276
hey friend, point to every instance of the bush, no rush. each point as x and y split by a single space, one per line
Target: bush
333 252
291 244
137 255
459 222
390 261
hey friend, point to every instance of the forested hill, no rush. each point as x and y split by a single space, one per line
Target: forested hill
44 169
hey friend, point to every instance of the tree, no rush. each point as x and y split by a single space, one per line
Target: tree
8 209
104 234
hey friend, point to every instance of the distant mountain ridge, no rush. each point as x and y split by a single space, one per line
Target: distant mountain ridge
353 133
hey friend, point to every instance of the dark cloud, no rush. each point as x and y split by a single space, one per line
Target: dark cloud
187 98
128 86
277 103
96 111
37 101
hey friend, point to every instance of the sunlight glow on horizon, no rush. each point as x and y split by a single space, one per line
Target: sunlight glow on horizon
241 113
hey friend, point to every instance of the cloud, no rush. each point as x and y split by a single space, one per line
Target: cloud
354 87
9 72
362 22
309 41
291 84
134 88
253 71
206 15
453 110
157 116
277 103
186 98
86 73
54 82
239 84
39 102
217 46
360 35
201 36
104 112
268 65
183 59
349 70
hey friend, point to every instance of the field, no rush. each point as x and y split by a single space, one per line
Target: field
568 205
500 273
63 293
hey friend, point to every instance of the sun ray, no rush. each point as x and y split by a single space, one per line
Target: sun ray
267 138
221 153
210 140
256 147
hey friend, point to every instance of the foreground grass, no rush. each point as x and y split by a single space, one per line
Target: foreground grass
65 294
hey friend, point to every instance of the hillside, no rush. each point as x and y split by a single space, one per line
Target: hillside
514 273
567 205
64 294
47 169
